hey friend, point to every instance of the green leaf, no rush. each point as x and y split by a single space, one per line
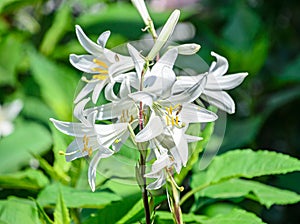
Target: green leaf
61 212
291 72
75 198
57 84
28 179
16 149
42 214
17 210
236 216
246 163
10 54
262 193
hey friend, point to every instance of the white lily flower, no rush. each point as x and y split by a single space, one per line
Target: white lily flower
90 137
8 113
103 63
159 169
217 81
164 35
170 113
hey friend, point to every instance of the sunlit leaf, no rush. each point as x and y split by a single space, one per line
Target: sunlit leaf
16 149
246 163
264 194
75 198
17 210
28 179
57 84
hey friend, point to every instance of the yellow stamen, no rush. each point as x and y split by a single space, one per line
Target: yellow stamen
117 140
168 121
171 110
176 121
100 77
100 63
87 149
102 71
173 122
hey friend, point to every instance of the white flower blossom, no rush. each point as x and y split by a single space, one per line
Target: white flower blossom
217 81
8 113
103 63
90 137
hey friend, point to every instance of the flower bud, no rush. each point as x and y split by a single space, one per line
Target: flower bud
164 34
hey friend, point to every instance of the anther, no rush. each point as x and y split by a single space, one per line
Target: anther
100 63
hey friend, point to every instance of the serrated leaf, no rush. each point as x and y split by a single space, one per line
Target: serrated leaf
16 149
17 210
61 212
57 84
75 198
28 179
236 216
246 163
264 194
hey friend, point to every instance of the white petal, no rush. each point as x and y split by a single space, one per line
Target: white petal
111 130
89 87
142 9
86 43
192 113
120 67
225 82
12 109
158 183
101 153
167 60
220 99
102 39
153 128
73 129
83 63
141 96
181 145
187 95
78 112
6 128
125 88
75 149
97 90
138 60
191 138
220 67
109 93
177 159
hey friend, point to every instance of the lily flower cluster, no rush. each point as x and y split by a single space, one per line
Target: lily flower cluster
153 107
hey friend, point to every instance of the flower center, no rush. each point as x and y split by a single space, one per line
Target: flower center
172 119
101 68
86 148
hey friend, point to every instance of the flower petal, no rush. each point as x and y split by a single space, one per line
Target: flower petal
83 63
12 109
161 180
101 153
153 128
125 88
220 99
73 129
192 113
225 82
220 67
181 144
138 60
187 49
97 90
102 39
109 93
89 87
141 96
78 112
86 43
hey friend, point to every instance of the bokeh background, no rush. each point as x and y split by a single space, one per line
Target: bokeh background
258 36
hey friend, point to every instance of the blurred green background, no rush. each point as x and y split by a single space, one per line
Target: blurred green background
258 36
